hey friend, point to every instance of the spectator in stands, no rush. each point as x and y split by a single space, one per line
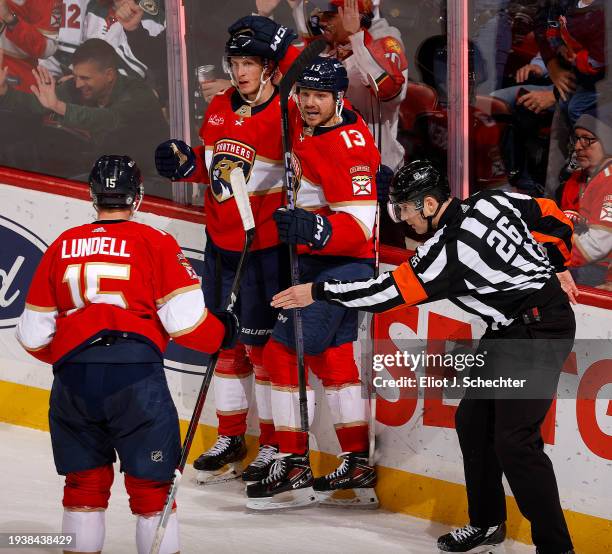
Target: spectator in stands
70 36
563 79
532 104
571 37
113 112
121 23
587 200
537 97
582 47
28 31
138 36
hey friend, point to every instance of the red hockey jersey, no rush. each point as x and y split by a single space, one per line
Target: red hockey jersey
115 276
236 135
34 36
336 169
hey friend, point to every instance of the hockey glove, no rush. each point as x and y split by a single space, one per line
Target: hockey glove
299 226
384 176
261 36
175 159
232 328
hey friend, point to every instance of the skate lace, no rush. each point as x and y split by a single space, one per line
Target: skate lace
264 456
277 471
464 533
341 469
222 443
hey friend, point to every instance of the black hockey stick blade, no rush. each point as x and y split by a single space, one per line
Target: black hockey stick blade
305 58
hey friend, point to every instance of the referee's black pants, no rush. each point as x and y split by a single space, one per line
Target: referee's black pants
500 434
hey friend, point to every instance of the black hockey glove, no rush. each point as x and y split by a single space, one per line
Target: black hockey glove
232 328
261 36
175 159
384 176
302 227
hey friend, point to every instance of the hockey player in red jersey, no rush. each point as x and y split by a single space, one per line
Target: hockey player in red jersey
369 46
241 129
335 161
105 299
28 31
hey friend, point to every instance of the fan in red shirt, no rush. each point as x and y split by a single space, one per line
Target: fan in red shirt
335 162
241 129
592 253
103 304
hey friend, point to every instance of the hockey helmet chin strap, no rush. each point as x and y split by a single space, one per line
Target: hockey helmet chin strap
430 227
262 81
419 204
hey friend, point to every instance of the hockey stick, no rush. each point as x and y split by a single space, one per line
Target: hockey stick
306 57
241 195
372 422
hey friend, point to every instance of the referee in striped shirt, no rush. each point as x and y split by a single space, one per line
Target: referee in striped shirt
503 257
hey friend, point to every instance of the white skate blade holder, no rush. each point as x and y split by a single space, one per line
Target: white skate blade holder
228 472
299 498
358 498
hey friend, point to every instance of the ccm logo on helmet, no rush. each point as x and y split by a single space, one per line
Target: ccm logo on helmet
282 31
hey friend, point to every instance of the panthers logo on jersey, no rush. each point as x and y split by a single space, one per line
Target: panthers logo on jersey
228 155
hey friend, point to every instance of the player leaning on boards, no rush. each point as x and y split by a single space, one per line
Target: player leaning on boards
334 160
104 301
241 129
484 257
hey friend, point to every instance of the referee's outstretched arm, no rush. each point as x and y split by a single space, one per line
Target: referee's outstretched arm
434 272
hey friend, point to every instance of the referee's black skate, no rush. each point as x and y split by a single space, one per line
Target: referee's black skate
288 485
473 539
222 462
351 485
259 468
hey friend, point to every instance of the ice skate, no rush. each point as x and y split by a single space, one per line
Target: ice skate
473 539
288 485
259 468
351 485
223 462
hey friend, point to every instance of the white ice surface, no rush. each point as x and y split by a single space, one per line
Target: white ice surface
212 519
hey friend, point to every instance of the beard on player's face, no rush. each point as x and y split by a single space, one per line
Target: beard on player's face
318 107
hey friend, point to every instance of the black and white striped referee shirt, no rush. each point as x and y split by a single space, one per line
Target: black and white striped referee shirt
491 251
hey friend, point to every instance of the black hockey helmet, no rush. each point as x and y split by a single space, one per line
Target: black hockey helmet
412 183
326 74
255 35
115 182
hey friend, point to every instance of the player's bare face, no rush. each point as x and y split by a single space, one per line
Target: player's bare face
318 107
93 82
410 215
589 151
247 74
